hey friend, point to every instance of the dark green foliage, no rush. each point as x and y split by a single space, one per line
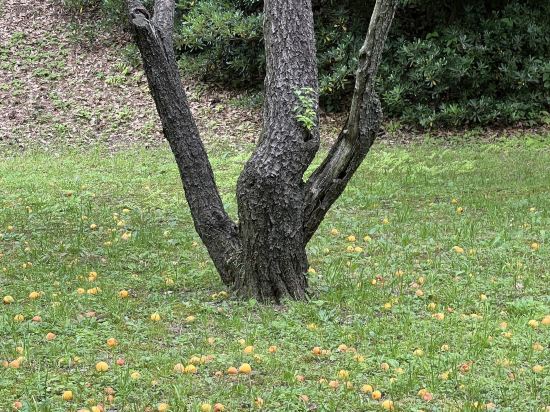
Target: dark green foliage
222 41
448 64
489 66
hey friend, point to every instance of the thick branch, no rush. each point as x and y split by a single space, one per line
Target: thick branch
328 182
163 18
212 223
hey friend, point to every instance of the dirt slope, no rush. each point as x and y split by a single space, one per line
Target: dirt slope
59 86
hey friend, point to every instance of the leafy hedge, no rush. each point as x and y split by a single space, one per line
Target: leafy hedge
456 63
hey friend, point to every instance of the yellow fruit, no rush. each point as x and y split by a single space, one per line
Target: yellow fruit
101 367
135 375
50 336
334 384
248 349
179 368
342 347
535 246
384 366
123 294
419 293
34 295
367 238
8 300
538 347
366 388
482 297
351 238
245 368
316 350
538 368
533 323
311 271
206 407
19 318
418 352
438 316
459 210
445 347
546 320
388 405
81 291
15 364
242 342
155 317
376 395
112 342
259 402
272 349
458 249
343 374
334 232
162 407
190 319
385 221
190 369
67 395
195 360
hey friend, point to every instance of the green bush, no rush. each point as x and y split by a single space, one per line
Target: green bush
457 63
453 64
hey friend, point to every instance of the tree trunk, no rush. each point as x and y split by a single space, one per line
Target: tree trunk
264 257
270 190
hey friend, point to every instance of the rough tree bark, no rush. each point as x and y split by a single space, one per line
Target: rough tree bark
264 255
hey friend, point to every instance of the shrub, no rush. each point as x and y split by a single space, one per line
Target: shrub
457 63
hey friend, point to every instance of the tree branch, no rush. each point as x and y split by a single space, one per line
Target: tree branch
330 179
212 223
163 18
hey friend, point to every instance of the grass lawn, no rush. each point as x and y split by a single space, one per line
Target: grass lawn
440 303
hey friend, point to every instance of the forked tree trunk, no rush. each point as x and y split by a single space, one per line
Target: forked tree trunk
264 256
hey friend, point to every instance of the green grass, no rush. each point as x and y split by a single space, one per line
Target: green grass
52 200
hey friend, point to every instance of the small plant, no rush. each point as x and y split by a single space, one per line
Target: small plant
305 110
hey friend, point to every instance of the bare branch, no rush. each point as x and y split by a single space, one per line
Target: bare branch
330 179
